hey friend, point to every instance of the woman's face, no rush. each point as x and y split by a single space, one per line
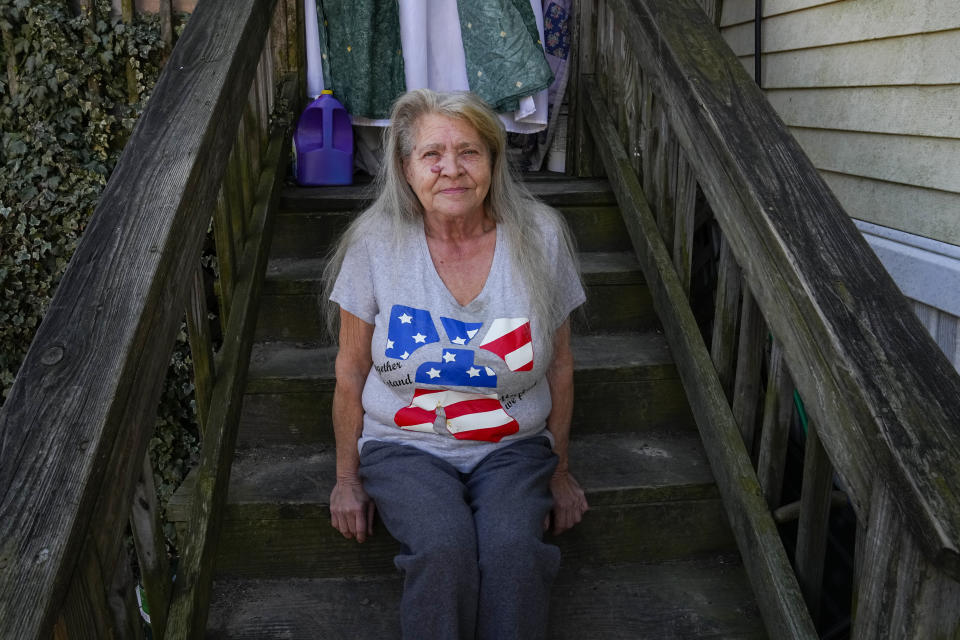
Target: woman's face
449 167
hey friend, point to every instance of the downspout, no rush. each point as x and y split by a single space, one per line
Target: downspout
757 40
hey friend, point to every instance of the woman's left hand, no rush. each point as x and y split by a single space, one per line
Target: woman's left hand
569 501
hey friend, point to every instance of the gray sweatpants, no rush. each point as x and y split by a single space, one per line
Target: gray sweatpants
474 561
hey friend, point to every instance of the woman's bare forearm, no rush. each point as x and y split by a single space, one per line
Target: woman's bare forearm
352 367
560 380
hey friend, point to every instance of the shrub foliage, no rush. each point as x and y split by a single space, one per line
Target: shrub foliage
71 90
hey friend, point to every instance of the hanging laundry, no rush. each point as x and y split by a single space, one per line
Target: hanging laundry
363 54
492 47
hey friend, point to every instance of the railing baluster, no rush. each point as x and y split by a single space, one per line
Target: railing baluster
271 72
166 23
151 549
234 193
777 413
226 253
685 199
201 347
746 388
241 153
581 152
122 599
252 138
262 85
278 39
298 53
726 317
815 501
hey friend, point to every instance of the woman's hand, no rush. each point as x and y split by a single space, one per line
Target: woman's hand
569 501
351 510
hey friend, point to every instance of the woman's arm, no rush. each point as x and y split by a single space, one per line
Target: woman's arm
351 510
569 502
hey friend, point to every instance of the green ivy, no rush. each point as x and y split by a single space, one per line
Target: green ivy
71 90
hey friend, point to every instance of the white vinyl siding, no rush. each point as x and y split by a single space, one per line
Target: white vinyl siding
871 91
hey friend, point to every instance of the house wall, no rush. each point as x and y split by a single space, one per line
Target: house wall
871 91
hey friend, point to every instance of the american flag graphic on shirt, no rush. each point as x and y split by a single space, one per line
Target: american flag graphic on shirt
469 416
510 339
466 413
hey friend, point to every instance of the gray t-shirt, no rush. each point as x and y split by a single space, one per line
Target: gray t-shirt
455 381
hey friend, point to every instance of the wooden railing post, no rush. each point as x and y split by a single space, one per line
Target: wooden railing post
898 593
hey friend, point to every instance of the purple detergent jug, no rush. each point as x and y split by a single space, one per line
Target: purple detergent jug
324 143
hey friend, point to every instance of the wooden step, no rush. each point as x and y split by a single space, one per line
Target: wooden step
554 190
622 382
617 298
310 234
311 219
704 597
652 498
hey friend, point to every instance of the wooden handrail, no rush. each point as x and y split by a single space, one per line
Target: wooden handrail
886 400
767 565
75 428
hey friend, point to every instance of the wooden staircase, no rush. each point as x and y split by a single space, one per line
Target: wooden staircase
654 557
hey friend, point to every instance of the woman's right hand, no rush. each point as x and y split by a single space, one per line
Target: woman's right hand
351 509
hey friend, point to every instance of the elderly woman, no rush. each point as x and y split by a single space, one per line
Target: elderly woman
454 376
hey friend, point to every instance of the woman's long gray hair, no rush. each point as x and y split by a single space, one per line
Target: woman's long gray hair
508 202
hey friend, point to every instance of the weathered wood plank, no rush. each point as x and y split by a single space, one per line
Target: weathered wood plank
746 385
148 539
898 593
726 317
69 455
888 414
713 600
192 590
815 502
775 433
713 9
775 586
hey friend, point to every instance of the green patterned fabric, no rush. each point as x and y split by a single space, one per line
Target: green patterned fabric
505 60
363 59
